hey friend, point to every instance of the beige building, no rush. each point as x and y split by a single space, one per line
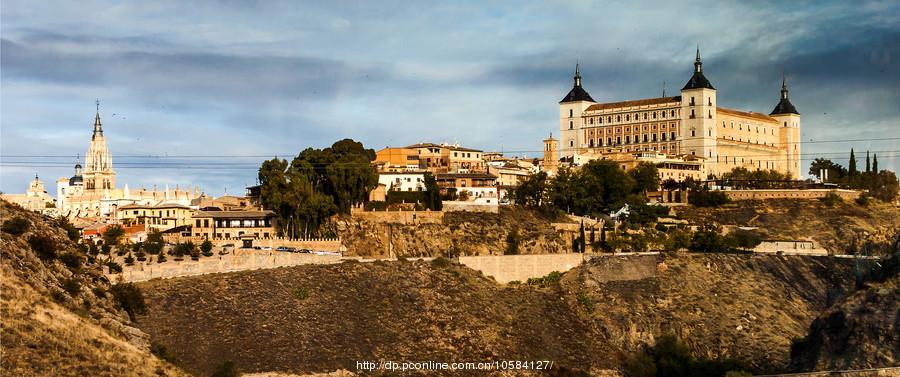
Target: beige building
677 168
449 158
92 193
160 217
692 124
397 159
35 198
217 225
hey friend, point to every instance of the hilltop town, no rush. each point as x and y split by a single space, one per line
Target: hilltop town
648 223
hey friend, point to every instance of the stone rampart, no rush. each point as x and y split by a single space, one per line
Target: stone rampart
507 268
239 261
789 194
400 217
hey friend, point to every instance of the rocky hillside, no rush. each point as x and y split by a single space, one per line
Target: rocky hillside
59 318
860 332
835 227
461 233
315 319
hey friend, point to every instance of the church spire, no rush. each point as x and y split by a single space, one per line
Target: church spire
697 63
98 128
784 89
577 75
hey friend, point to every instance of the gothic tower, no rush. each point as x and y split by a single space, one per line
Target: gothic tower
698 118
98 173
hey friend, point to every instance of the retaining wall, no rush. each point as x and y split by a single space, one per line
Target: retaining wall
507 268
241 261
400 217
789 194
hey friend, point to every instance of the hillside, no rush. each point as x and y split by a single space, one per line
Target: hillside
308 319
465 233
834 227
61 320
860 332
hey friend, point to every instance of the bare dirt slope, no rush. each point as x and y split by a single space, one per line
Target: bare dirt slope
834 227
308 319
48 331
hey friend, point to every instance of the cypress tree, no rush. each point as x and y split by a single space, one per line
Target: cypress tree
852 169
582 247
875 163
868 163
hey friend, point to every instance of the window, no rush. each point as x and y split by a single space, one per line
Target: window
692 101
571 143
673 112
645 138
693 133
663 136
710 101
618 118
592 120
570 113
571 124
627 117
645 116
627 139
673 136
654 115
654 137
692 114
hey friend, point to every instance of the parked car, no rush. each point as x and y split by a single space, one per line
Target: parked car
284 248
305 251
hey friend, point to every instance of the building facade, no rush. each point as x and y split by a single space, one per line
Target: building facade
35 198
691 124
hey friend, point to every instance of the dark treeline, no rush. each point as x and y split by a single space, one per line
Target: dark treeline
880 184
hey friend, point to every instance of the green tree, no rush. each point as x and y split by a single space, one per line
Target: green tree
432 193
646 177
112 236
154 243
130 298
875 163
868 163
512 242
709 240
531 192
206 247
852 164
836 173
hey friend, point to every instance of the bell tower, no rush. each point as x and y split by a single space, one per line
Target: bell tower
570 122
698 118
98 173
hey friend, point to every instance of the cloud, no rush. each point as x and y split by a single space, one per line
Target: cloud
266 78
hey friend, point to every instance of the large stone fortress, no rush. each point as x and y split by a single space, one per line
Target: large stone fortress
92 193
691 124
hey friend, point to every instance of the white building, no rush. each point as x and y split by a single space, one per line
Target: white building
402 180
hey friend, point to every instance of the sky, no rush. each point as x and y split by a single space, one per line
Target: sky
244 81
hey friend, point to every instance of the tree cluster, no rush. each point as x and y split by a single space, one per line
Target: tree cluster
317 184
881 184
600 186
670 357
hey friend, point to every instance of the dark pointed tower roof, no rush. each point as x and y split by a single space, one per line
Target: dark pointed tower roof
698 81
577 93
98 128
784 106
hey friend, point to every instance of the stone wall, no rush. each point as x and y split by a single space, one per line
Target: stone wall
460 206
507 268
789 194
788 247
240 261
399 217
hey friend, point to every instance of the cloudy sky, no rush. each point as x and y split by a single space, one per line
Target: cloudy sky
265 78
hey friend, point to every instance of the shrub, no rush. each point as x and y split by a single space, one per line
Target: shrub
546 281
708 198
512 242
130 298
161 258
15 226
206 247
708 240
70 229
71 260
743 239
71 286
831 199
376 206
585 301
226 369
864 200
301 293
639 364
440 262
129 260
99 292
114 268
43 246
514 282
161 352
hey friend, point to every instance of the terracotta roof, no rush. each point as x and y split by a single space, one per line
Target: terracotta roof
447 146
466 175
638 102
748 114
150 206
233 214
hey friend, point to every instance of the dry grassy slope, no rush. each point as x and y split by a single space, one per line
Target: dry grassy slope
413 311
76 335
724 305
469 233
403 311
832 227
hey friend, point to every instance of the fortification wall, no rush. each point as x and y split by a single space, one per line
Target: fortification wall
507 268
400 217
241 261
789 194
